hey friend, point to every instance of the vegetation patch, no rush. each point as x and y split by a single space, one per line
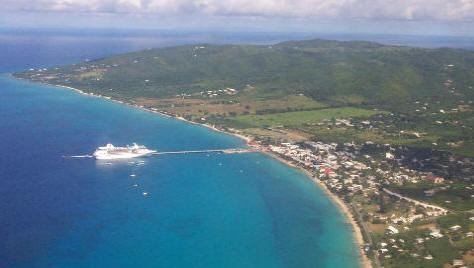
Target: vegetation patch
298 119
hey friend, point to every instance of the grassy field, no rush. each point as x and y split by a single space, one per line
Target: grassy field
91 74
298 119
206 107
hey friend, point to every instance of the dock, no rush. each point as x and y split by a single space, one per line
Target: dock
225 151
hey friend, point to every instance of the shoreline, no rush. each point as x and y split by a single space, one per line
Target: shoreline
242 137
356 232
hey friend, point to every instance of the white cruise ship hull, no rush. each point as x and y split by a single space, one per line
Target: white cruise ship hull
111 152
108 156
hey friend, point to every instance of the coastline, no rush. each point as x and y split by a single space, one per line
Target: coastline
357 234
242 137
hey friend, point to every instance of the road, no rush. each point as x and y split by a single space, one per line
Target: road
416 202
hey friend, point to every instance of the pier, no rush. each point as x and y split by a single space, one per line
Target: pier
225 151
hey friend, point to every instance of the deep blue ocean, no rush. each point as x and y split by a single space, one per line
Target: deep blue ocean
202 210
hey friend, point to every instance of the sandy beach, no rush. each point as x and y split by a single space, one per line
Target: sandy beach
365 262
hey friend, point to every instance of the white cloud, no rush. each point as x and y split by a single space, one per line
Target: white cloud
320 9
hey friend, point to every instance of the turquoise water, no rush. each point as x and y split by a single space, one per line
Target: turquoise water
202 210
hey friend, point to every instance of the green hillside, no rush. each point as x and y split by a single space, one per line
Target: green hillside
288 85
338 72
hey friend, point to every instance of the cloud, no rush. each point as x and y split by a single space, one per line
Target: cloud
317 9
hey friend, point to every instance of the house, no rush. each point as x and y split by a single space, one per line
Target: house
328 172
415 217
435 233
454 227
347 181
357 187
434 178
429 192
457 263
392 230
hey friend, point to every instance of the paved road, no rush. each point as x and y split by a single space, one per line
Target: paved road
416 202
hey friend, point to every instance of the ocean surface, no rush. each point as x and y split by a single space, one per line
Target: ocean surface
201 210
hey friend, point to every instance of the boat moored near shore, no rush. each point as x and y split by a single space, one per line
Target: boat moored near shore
112 152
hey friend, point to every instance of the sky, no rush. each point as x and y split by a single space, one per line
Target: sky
430 17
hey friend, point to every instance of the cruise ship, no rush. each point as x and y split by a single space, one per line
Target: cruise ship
112 152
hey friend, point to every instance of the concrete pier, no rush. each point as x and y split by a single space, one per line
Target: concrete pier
225 151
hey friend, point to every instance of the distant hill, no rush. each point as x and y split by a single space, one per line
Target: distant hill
340 73
400 95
